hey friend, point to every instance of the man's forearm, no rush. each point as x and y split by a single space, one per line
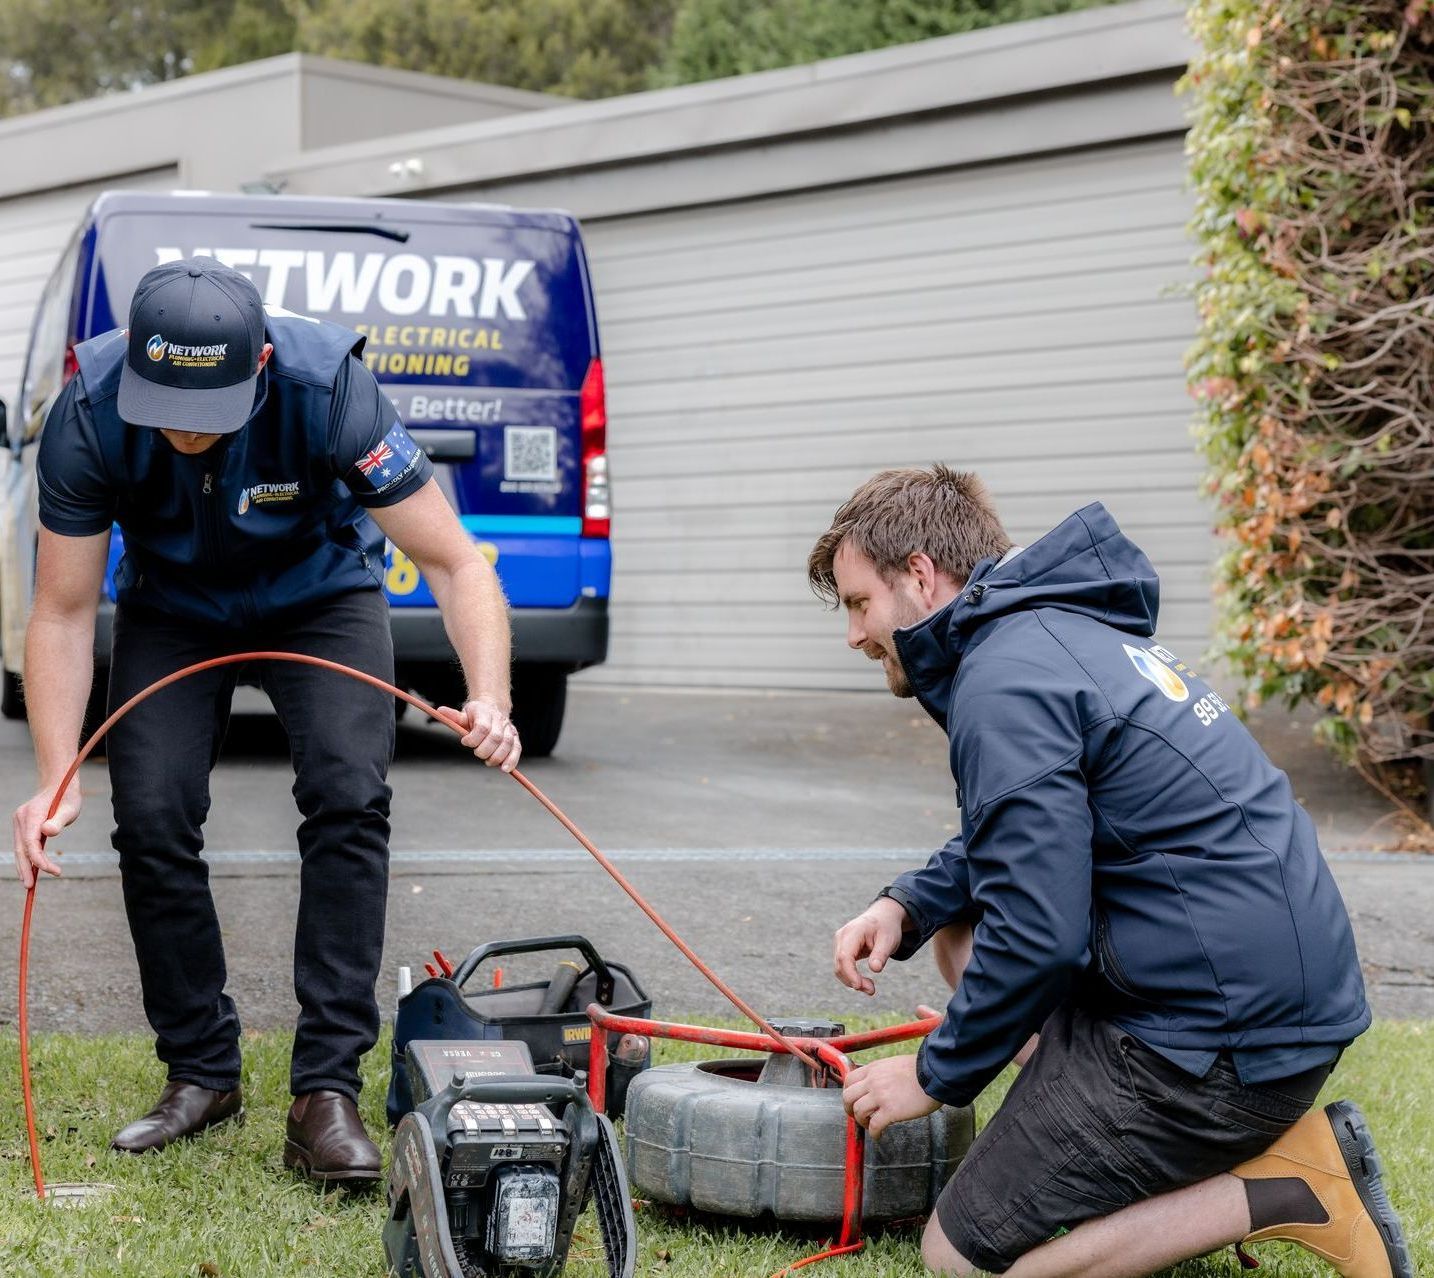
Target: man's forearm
475 615
59 669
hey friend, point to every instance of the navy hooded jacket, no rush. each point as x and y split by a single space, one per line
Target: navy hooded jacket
1124 839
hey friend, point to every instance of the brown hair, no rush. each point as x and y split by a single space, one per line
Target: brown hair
945 514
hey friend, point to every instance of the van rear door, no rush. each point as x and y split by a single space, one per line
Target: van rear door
480 327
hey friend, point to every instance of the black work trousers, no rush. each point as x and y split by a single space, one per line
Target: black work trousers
341 735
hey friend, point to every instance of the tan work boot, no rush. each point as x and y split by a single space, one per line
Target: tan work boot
1349 1221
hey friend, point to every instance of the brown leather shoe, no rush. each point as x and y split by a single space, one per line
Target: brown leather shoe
183 1109
327 1140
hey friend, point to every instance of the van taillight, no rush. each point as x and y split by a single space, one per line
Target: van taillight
592 405
72 365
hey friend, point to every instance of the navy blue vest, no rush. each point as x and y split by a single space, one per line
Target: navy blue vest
260 523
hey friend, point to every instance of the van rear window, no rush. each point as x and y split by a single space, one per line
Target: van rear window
447 304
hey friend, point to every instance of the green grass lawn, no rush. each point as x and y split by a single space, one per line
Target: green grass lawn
224 1205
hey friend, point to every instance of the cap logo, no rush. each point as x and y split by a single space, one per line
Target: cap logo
186 356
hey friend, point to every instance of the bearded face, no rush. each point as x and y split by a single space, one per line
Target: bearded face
876 608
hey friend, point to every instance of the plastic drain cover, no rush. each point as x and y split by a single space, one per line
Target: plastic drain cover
75 1195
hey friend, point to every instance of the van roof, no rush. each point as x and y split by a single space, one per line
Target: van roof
110 203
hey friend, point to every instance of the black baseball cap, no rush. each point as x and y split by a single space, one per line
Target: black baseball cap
196 328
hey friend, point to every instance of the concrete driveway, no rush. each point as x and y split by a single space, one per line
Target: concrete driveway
756 823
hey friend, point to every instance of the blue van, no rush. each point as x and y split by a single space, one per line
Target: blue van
480 327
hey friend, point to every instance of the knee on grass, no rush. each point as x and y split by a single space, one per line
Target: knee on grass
939 1256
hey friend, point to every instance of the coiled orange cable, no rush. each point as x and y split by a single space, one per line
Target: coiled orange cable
448 721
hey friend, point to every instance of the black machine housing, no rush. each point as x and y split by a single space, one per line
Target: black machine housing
493 1166
548 1016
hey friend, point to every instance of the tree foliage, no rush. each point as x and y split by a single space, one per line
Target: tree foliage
713 38
56 53
581 48
51 53
1312 152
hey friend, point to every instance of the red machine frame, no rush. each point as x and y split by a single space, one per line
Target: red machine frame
832 1052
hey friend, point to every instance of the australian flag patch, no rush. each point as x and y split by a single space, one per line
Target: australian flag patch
388 463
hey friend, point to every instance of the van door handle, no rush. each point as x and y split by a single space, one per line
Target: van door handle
447 445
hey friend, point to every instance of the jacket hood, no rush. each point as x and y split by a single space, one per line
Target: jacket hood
1085 564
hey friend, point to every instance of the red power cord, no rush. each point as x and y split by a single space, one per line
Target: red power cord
833 1052
450 722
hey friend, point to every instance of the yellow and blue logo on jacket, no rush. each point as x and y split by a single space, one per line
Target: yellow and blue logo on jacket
1151 667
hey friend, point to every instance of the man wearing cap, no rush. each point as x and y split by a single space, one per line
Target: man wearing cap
255 467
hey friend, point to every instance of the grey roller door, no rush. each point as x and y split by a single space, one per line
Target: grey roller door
34 230
765 357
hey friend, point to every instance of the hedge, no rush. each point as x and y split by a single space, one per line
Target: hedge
1312 157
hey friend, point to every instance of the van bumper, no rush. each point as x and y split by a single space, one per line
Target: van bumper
575 637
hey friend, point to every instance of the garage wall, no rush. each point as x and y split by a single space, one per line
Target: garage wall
960 250
342 102
765 357
34 230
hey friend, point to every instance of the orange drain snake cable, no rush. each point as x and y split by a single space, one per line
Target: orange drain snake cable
448 721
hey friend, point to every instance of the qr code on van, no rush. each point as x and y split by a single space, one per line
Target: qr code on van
530 452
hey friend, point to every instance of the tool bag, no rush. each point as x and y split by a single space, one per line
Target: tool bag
548 1016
